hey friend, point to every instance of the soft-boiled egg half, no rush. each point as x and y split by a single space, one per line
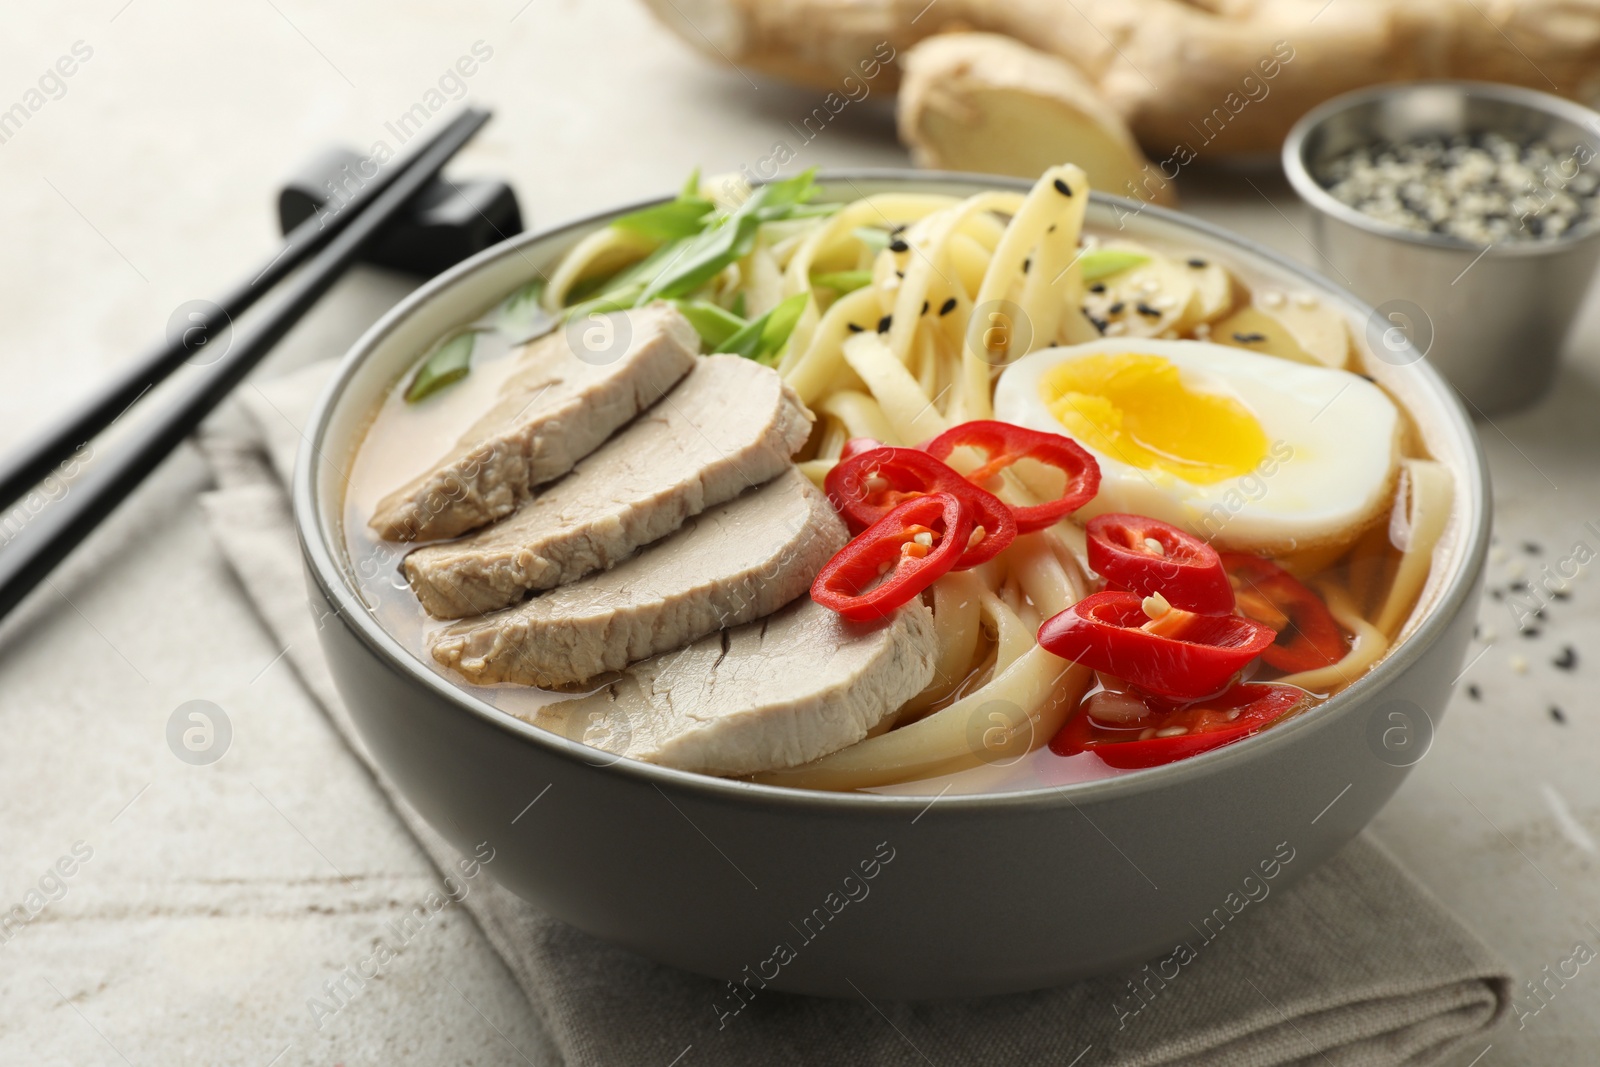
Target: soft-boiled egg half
1244 450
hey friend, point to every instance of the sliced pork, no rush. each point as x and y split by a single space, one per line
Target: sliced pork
730 425
774 693
551 411
734 563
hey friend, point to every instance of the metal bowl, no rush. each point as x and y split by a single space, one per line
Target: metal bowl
1493 319
890 896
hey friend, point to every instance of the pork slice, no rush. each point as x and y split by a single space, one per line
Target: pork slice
552 410
730 425
774 693
734 563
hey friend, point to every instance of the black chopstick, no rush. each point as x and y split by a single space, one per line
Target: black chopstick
57 528
29 464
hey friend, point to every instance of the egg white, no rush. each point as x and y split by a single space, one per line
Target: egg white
1328 474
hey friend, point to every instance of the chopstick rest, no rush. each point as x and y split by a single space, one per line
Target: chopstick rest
449 220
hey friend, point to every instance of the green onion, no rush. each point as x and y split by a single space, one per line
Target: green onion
714 324
761 338
450 362
842 281
730 238
1104 262
683 217
520 316
872 237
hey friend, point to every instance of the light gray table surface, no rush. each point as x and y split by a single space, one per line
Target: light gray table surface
216 900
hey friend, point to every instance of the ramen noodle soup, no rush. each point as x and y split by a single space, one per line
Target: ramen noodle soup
912 493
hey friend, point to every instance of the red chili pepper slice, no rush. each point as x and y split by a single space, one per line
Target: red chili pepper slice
1147 556
1004 444
1205 725
859 444
868 485
1308 635
1182 654
890 550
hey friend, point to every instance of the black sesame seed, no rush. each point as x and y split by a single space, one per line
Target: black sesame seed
1557 714
1568 659
1532 548
1531 632
899 274
948 306
1560 594
1099 324
1477 631
853 328
1098 287
1145 309
898 230
1497 594
1249 338
1473 691
884 323
924 307
1197 263
897 245
1062 187
1026 263
1368 377
1052 228
1519 585
1116 309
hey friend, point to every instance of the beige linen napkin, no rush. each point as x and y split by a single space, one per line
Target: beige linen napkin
1356 965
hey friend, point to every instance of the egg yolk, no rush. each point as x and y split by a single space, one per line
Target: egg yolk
1135 407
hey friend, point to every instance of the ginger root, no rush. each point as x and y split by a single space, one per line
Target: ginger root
1188 78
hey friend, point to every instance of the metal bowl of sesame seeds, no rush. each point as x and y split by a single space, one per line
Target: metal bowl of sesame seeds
1468 214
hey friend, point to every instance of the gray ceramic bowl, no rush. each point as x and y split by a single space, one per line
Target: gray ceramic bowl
967 895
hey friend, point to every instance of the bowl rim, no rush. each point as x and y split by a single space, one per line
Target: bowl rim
1317 197
320 556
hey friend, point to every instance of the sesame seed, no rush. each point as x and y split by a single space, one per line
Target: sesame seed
1557 714
1099 323
1250 338
1098 287
1172 731
924 307
948 306
1568 660
884 323
1474 692
1197 263
1145 309
1116 309
1062 187
898 245
853 328
1026 263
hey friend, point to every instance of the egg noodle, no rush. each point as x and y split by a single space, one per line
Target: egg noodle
946 292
